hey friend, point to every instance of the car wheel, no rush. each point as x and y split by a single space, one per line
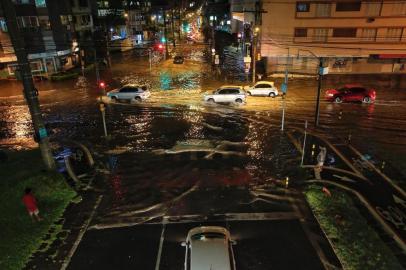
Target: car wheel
114 99
238 100
211 100
272 94
137 99
249 93
366 100
338 100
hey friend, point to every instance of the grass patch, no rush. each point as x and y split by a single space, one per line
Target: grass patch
356 244
20 237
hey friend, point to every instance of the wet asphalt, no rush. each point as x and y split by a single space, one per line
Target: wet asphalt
183 157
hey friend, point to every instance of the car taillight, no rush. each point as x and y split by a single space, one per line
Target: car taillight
373 93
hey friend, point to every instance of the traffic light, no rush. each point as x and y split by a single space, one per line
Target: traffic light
102 84
163 39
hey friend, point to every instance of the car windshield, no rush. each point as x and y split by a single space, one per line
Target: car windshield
209 235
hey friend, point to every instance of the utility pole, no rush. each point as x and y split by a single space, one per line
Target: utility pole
166 36
30 93
173 28
285 90
316 117
254 53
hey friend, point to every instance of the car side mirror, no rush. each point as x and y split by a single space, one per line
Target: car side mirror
183 244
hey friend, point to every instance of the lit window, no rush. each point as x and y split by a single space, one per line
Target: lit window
302 7
40 3
3 25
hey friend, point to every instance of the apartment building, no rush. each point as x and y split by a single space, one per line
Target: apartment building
81 21
48 28
358 37
138 21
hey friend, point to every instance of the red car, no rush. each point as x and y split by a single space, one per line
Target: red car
351 93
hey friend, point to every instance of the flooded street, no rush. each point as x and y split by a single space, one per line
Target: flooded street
176 160
175 112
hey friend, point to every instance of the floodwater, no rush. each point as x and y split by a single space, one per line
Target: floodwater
175 135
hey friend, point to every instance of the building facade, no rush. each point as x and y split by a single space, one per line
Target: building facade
51 29
138 22
359 37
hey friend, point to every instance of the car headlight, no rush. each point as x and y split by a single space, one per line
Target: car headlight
330 95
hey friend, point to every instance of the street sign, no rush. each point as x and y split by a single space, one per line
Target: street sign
323 70
284 88
42 133
247 59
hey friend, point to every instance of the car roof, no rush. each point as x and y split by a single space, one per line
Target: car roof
132 85
230 86
209 253
267 82
212 253
352 85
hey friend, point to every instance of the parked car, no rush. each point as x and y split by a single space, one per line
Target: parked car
129 92
350 93
227 94
178 59
209 248
263 88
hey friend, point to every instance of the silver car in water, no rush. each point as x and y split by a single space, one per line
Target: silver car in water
129 92
209 248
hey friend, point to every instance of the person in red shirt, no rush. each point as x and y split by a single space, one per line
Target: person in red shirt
31 204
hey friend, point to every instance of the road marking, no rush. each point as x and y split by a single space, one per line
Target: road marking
161 243
199 218
80 236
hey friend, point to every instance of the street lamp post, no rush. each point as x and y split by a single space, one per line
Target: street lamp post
320 72
150 60
254 52
320 76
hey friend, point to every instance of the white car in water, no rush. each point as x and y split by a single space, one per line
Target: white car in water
209 248
129 92
263 88
227 94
